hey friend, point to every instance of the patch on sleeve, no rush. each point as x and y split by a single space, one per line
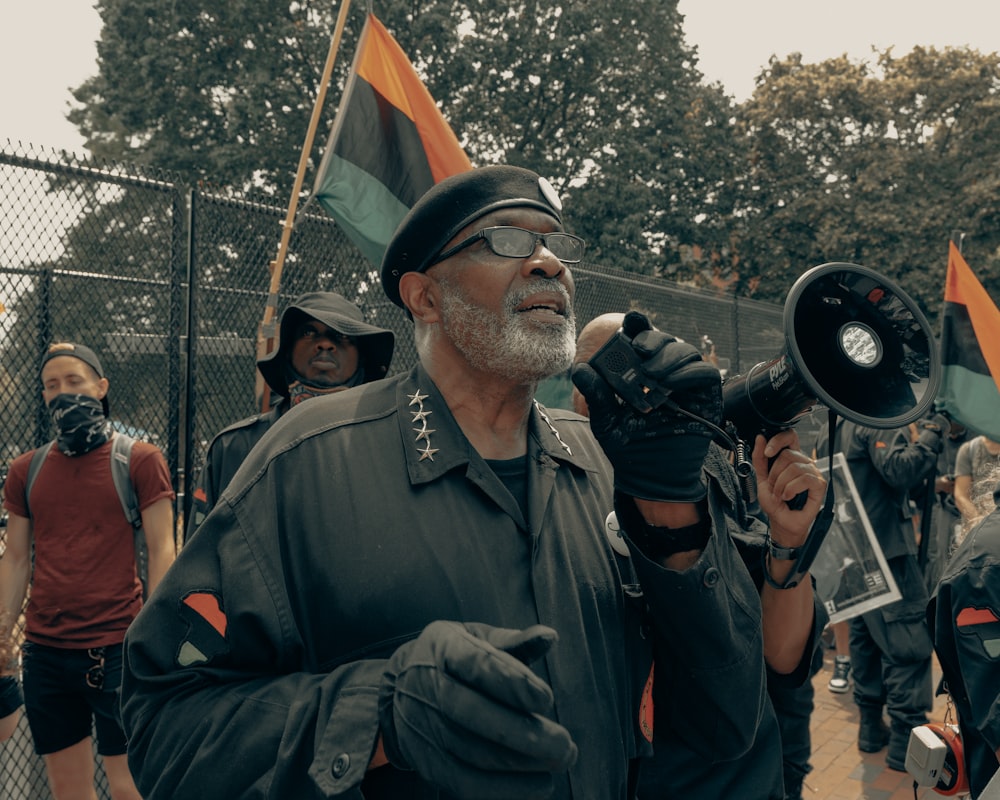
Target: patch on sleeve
982 623
646 707
206 633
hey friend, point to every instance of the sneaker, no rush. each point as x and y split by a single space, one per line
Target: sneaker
841 680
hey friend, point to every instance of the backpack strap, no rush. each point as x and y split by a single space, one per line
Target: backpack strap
37 459
121 453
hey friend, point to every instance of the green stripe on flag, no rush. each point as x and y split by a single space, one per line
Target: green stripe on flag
380 139
972 398
366 209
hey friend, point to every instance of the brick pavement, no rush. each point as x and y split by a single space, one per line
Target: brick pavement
840 770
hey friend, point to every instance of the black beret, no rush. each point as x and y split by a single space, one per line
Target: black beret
449 206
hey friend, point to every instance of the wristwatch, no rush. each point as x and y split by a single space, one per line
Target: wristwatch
779 553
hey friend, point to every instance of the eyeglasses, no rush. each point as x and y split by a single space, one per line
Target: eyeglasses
511 242
95 675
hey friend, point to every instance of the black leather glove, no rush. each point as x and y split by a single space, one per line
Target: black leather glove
657 455
460 707
933 430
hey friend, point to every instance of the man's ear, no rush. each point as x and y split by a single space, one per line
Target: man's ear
418 291
103 386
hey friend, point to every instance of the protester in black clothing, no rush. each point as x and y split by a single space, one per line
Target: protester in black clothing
946 519
407 590
324 346
776 765
964 617
890 646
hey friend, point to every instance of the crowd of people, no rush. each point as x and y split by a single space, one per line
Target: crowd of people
428 585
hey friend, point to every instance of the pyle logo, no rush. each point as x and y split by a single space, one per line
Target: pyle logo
778 374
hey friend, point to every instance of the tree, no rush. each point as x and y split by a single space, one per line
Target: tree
601 97
219 90
875 165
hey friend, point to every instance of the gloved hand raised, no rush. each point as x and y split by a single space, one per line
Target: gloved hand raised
459 705
932 430
657 455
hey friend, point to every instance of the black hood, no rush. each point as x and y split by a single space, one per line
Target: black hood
375 345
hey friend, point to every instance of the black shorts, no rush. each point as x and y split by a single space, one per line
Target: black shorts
10 695
67 693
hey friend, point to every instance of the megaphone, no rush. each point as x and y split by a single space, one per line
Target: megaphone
854 342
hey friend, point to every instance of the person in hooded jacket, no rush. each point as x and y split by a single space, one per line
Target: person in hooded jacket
324 346
964 620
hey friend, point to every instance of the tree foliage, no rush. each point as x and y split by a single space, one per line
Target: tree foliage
876 165
601 97
867 162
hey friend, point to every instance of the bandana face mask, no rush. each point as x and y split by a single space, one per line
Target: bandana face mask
299 389
81 423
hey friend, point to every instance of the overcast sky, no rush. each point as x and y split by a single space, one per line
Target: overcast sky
49 46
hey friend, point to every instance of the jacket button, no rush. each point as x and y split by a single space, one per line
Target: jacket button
711 577
340 765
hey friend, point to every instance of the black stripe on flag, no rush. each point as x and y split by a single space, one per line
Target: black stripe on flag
384 142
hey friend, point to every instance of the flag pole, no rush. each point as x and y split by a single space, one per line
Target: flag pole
930 479
958 237
266 331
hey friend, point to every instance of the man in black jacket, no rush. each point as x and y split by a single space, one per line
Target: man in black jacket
964 617
408 589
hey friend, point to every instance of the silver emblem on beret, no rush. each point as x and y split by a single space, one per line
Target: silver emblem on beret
550 194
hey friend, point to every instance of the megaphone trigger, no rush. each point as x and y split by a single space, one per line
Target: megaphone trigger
618 363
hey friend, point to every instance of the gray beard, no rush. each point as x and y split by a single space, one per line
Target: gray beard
508 345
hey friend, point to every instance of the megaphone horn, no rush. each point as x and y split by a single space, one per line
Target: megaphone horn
854 342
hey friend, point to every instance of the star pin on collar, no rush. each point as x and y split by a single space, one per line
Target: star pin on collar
423 432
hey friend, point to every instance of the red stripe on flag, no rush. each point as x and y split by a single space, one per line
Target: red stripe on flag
962 287
975 616
387 69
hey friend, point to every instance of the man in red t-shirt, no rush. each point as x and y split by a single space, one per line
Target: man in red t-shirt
85 590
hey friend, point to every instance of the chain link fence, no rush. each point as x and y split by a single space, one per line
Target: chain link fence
168 283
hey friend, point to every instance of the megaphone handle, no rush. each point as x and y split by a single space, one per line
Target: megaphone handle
809 550
798 502
821 525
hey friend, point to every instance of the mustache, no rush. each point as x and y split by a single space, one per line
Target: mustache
536 286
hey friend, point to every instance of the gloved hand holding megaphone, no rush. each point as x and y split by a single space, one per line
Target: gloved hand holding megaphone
673 409
855 342
655 405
